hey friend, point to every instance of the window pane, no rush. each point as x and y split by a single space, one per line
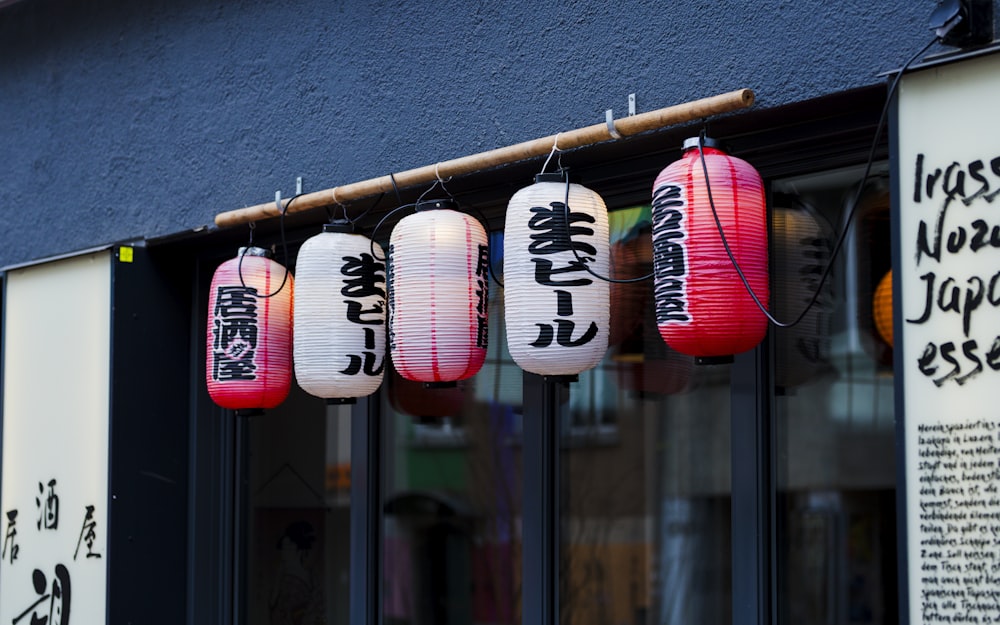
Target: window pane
298 518
646 468
834 405
451 460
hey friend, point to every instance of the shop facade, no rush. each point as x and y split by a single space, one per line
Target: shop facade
650 489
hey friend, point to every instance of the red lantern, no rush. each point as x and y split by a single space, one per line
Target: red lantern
438 272
249 334
425 405
702 306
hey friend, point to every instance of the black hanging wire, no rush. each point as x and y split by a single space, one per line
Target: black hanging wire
284 246
395 187
399 200
403 207
374 205
572 247
850 212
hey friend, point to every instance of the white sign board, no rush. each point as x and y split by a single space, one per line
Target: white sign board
54 479
949 217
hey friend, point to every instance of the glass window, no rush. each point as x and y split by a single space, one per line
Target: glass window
834 404
451 466
297 545
646 468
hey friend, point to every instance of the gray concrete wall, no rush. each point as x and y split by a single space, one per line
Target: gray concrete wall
134 118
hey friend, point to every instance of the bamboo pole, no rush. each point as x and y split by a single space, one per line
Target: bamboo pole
626 126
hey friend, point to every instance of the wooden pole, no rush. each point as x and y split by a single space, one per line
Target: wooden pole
627 126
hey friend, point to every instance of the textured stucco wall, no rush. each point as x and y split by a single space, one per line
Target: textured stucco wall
142 118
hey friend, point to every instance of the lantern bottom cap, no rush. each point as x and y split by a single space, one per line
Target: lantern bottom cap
714 360
443 384
249 412
340 401
561 379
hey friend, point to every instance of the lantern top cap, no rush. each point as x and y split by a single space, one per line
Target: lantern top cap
254 251
553 176
691 143
425 205
339 225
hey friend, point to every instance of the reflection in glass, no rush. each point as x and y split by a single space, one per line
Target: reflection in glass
298 516
451 461
645 469
834 428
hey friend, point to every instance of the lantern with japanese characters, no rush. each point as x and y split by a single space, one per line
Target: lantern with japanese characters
249 333
438 281
702 306
557 311
339 320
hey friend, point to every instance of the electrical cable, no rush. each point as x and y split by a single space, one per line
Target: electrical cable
850 212
284 247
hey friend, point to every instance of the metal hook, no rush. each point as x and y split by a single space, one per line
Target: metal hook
609 117
277 202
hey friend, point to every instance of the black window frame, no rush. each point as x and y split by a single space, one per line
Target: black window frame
808 137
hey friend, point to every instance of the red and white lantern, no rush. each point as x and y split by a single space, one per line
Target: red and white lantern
557 311
249 334
438 280
702 306
339 319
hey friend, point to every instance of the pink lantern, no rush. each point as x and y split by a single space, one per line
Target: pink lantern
438 272
702 306
249 335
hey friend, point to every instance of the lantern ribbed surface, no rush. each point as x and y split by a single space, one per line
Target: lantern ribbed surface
882 308
803 242
339 319
438 273
249 337
702 307
557 313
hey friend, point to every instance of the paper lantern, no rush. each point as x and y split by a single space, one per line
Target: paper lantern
438 280
803 242
425 404
702 306
339 319
557 312
882 308
872 233
249 335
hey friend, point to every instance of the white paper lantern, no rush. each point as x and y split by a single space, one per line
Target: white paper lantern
438 280
339 318
557 312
